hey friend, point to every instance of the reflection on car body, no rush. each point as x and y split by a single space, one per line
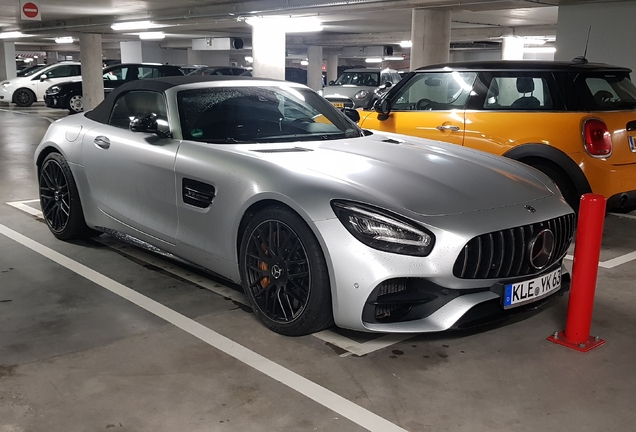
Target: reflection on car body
268 185
574 121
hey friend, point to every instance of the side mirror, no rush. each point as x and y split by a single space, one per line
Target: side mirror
353 114
383 108
146 123
332 82
388 84
43 77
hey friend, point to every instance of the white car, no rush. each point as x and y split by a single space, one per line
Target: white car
23 91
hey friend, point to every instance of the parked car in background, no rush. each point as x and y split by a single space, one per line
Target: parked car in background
268 185
218 70
23 91
68 95
359 87
575 121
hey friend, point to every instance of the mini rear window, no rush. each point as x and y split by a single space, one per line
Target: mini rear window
608 92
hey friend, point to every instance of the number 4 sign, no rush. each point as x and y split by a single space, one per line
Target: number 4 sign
29 10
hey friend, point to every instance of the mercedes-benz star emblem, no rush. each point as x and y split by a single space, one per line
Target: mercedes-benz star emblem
541 249
530 208
277 271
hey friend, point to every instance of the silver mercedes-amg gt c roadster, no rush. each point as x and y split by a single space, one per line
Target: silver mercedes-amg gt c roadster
266 184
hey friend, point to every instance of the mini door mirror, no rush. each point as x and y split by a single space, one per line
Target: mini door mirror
332 82
388 84
43 77
383 108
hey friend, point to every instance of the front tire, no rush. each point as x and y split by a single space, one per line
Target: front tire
75 104
23 97
60 200
565 185
284 273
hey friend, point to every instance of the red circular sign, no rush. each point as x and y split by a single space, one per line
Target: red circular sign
30 10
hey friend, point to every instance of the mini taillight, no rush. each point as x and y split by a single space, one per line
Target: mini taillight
598 140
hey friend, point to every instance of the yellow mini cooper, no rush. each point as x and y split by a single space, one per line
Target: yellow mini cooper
575 121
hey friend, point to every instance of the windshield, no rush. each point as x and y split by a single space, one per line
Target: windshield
371 79
249 114
31 70
610 91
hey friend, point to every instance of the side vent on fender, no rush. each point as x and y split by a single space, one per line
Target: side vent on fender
197 194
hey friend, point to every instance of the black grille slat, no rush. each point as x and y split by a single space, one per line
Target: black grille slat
503 254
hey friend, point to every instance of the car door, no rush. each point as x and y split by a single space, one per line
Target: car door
430 105
56 75
131 174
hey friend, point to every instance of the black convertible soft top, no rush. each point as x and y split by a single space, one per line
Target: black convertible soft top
101 112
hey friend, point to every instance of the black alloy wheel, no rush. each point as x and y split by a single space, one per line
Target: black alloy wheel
23 97
60 200
284 273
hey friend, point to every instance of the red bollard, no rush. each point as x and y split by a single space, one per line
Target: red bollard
587 251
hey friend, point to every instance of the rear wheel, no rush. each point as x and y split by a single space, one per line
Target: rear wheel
564 183
60 200
284 273
23 97
75 104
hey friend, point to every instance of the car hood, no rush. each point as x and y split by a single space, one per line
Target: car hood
423 176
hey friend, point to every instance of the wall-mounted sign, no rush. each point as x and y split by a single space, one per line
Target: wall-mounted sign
29 10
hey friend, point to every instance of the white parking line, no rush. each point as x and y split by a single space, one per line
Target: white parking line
51 120
343 342
614 262
319 394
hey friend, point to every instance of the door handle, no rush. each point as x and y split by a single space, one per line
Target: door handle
102 142
442 128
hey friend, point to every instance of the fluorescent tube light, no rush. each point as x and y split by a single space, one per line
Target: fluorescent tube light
373 60
406 44
64 40
152 36
133 25
11 35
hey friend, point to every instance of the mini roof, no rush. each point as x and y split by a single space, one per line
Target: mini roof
526 65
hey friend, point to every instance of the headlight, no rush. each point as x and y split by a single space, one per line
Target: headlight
362 94
53 90
320 92
382 230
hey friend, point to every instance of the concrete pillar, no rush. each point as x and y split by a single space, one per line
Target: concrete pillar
332 67
51 57
268 51
512 48
7 60
430 34
314 68
92 77
194 57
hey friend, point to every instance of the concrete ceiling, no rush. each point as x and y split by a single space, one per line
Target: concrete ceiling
346 23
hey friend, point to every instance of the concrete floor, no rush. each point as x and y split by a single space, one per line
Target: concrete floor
77 357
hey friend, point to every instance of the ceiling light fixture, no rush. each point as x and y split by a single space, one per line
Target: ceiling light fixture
406 44
11 35
64 40
395 58
373 60
133 25
249 59
304 62
152 35
287 24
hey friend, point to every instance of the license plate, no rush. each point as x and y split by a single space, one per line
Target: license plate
520 293
338 104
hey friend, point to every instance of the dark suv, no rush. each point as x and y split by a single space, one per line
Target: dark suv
68 95
575 121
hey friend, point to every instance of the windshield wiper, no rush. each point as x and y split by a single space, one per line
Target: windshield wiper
228 140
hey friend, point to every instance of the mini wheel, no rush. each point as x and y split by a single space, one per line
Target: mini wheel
23 97
284 273
60 200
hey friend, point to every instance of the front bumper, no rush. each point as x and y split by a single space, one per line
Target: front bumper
54 101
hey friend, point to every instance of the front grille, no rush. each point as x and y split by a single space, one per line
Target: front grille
503 254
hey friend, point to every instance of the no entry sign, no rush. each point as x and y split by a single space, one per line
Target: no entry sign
30 10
